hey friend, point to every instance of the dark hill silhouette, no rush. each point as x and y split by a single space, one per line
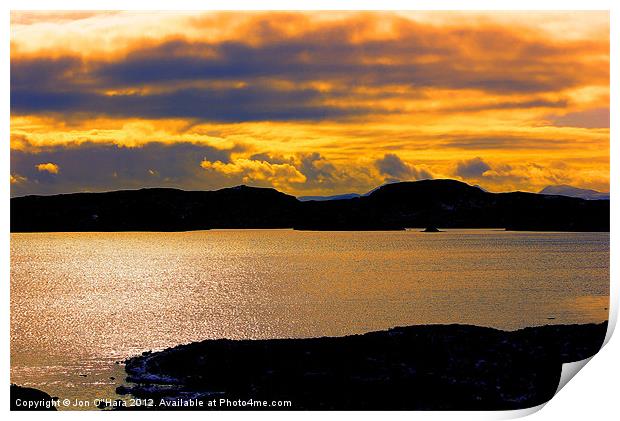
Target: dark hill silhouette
570 191
440 203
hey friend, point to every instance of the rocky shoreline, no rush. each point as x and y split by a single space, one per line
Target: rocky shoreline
30 399
429 367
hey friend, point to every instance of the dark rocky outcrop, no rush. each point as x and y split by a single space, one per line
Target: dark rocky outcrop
29 399
434 367
397 206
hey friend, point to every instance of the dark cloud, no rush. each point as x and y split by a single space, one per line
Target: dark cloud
272 159
505 142
473 168
49 74
223 105
316 168
395 169
463 58
511 105
99 167
102 167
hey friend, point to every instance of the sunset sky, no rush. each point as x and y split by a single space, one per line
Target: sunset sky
308 103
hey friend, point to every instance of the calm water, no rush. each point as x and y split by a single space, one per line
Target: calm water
80 301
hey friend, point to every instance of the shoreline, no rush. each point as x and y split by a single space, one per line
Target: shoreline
424 367
407 229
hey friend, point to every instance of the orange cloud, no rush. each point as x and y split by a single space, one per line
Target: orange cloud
16 179
257 172
48 167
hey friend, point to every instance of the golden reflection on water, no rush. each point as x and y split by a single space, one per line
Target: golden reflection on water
80 301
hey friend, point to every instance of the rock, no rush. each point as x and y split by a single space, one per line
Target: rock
431 229
122 390
29 399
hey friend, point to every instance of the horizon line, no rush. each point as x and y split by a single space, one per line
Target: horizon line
298 197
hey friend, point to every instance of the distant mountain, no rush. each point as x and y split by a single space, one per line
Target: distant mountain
570 191
439 203
323 198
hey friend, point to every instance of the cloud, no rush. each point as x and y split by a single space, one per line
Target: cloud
322 175
506 142
34 17
273 159
510 105
473 168
317 169
303 172
50 167
528 176
328 52
16 179
254 172
101 167
590 119
270 78
222 105
396 170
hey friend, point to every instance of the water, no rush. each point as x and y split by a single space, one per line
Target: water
81 301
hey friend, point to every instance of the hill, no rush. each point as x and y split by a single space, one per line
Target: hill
441 203
323 198
570 191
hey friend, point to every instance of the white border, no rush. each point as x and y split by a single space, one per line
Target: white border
592 394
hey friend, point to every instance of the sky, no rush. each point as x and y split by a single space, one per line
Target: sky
315 103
